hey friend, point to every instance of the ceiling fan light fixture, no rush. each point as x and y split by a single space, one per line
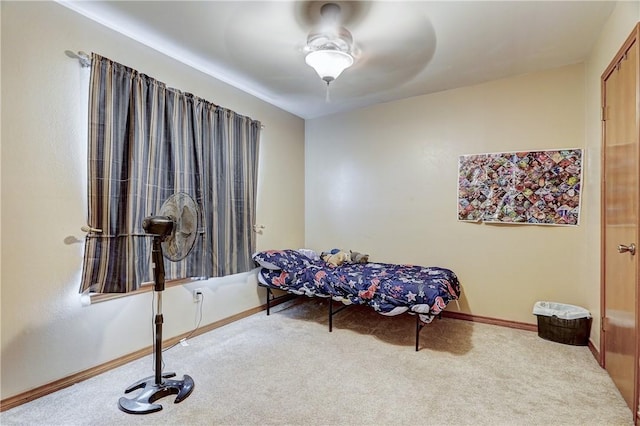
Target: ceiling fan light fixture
329 63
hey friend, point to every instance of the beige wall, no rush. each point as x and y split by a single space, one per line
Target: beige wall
46 333
383 180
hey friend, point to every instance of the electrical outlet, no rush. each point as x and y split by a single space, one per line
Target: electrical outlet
197 295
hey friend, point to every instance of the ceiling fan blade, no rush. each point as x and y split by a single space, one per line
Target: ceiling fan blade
381 45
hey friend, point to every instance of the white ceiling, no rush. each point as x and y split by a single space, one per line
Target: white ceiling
404 48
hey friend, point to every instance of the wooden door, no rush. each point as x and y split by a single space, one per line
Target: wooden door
621 158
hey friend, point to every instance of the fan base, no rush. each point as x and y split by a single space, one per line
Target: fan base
144 402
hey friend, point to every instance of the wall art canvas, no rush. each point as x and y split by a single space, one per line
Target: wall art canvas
529 187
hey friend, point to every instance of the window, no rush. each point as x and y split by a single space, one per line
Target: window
147 142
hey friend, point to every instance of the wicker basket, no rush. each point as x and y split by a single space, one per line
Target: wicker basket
567 331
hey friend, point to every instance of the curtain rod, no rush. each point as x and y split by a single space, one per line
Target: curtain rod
85 62
82 57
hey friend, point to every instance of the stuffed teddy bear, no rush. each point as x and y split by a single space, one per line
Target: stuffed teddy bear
335 257
356 257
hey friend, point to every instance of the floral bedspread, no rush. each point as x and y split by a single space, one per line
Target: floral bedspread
389 289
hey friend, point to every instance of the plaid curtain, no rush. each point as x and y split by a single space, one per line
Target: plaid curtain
146 143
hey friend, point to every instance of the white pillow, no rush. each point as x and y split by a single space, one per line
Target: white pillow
310 254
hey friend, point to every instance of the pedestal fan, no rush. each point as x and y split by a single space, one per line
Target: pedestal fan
174 232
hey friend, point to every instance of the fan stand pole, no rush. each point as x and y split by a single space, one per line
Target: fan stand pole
157 386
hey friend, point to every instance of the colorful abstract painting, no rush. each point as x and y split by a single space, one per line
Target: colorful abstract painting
531 187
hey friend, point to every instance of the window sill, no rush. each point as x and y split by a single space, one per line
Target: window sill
144 288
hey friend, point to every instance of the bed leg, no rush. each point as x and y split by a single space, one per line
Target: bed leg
330 314
269 295
417 332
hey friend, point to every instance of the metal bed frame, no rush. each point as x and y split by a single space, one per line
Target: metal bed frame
271 297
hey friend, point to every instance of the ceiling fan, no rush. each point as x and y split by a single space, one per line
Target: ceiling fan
329 44
365 35
384 54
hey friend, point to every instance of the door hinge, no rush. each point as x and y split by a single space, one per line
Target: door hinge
602 113
603 321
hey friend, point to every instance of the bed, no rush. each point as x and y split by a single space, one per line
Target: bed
389 289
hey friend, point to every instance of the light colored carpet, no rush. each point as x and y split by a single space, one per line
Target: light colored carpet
287 369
